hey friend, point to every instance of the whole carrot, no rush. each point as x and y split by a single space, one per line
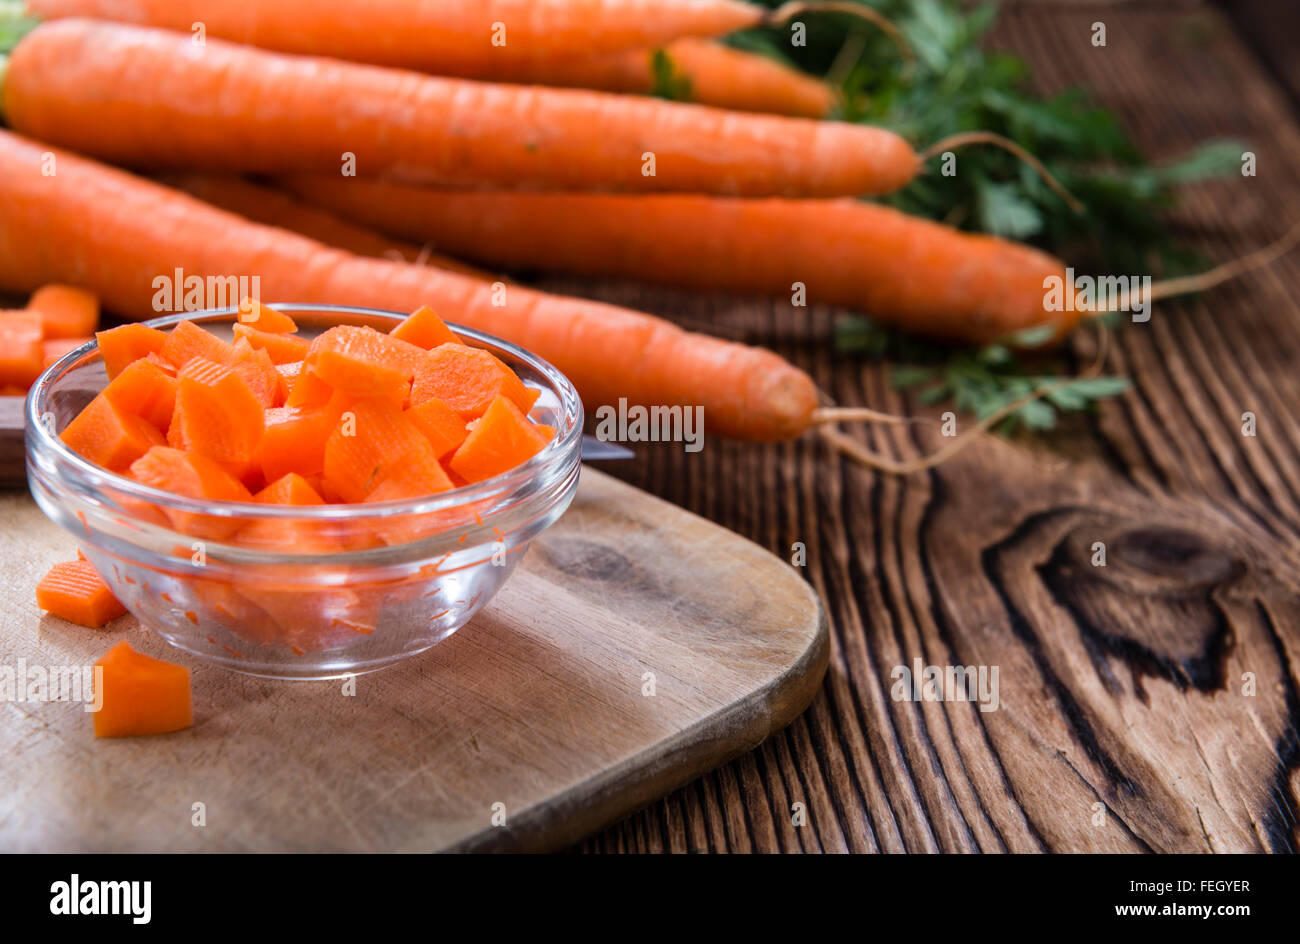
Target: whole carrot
115 234
151 99
468 38
276 208
925 277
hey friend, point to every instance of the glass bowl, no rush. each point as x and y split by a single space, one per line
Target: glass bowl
304 592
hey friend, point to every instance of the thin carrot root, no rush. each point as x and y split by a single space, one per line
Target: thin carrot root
1186 285
788 11
849 414
874 460
988 137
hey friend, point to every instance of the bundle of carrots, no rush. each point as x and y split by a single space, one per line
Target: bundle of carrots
395 118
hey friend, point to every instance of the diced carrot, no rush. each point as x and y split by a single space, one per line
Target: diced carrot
109 436
289 371
166 366
22 357
411 480
53 349
502 439
141 695
283 348
424 329
194 476
294 438
145 391
258 371
65 312
188 341
372 438
363 362
442 426
217 414
74 591
467 379
289 489
130 342
264 318
12 390
546 432
308 389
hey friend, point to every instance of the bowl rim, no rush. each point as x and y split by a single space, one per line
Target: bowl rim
564 447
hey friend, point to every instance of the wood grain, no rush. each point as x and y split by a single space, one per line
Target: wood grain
1122 688
538 704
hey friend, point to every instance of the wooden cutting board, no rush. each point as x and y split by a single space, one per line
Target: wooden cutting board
539 710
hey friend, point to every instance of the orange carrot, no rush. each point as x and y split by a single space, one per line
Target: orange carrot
277 208
217 415
52 350
66 312
141 695
142 97
144 390
467 379
294 437
193 476
500 440
442 426
258 371
74 591
424 329
124 344
289 489
187 342
282 348
711 73
22 357
363 362
104 222
362 453
925 277
461 37
265 318
109 436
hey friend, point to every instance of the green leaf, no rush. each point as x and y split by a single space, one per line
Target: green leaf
1004 212
667 82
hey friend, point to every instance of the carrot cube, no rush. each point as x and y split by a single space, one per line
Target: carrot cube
54 348
141 695
74 591
217 415
502 439
188 341
308 389
283 348
65 312
363 362
372 438
194 476
424 329
468 379
294 438
144 390
442 426
258 371
289 489
120 346
110 436
264 318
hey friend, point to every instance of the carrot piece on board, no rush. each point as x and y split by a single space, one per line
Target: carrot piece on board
144 390
66 312
283 348
188 341
54 348
141 695
130 342
363 362
289 489
372 438
467 379
258 371
74 591
265 318
22 358
424 329
442 426
110 436
217 414
500 440
308 389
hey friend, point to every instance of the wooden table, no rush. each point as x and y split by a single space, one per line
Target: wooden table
1122 725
